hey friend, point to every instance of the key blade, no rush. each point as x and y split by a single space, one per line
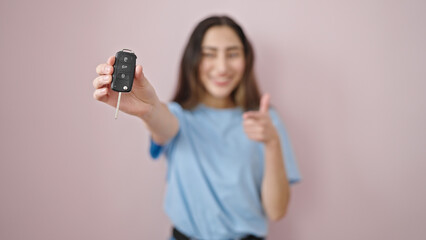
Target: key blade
118 105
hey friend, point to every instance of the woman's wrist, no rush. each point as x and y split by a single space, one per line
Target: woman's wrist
273 141
150 111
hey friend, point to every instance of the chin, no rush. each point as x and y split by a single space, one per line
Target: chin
220 94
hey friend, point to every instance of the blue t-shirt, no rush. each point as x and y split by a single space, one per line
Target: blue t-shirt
215 173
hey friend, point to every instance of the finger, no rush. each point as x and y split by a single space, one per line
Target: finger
253 130
255 136
101 94
252 114
264 103
101 81
104 69
250 122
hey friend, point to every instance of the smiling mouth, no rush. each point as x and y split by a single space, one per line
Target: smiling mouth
221 83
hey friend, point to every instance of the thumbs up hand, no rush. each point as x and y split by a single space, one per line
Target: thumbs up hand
258 124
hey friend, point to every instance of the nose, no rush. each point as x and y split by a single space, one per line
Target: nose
221 64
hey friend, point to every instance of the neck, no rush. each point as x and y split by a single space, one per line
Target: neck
218 102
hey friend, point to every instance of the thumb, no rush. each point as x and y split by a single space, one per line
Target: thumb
111 60
139 76
264 103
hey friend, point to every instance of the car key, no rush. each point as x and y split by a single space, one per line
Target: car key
124 72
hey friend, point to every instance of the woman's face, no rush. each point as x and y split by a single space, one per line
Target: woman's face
222 63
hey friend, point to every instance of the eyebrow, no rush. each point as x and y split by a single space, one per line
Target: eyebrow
227 49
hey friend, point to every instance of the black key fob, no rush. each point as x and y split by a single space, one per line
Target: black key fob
124 71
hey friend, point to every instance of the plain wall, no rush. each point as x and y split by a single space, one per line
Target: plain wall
348 78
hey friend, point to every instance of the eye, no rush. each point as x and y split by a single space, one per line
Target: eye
208 55
233 54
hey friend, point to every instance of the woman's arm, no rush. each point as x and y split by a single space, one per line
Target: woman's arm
142 102
162 124
275 186
275 191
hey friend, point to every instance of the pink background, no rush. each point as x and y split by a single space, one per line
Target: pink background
348 78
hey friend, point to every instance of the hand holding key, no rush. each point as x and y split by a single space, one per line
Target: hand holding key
139 101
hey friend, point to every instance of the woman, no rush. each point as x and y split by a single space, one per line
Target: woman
229 159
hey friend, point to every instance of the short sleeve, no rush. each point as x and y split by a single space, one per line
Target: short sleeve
155 149
290 163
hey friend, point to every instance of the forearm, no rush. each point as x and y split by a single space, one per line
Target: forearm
162 124
275 186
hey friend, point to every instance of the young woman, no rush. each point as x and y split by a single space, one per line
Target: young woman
230 162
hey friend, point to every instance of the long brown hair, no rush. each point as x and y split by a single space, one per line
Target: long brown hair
190 89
